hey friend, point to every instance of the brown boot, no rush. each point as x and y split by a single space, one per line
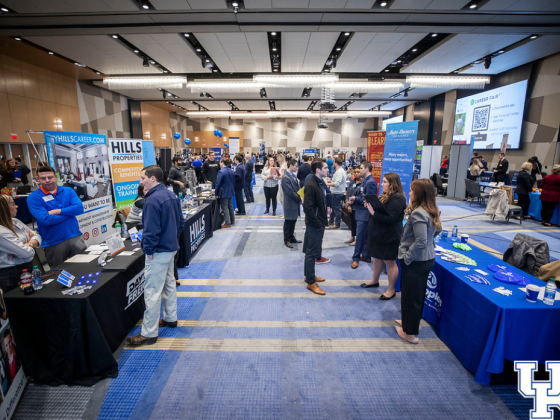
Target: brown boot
315 289
163 323
140 340
224 226
316 278
355 264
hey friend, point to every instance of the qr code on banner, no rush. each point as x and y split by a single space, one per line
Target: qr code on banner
480 118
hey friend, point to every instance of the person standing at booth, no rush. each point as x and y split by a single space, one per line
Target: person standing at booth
55 208
550 195
210 170
239 184
502 169
163 222
292 201
176 177
225 189
524 187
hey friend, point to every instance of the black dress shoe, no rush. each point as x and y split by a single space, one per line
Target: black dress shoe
266 211
383 297
240 214
140 340
295 241
367 286
273 212
289 245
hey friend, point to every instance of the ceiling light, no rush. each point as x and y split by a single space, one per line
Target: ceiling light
115 36
386 70
207 61
448 82
532 37
76 64
338 49
136 51
165 71
17 39
215 71
303 80
346 33
275 69
51 53
273 33
152 62
383 4
4 9
145 82
234 4
145 6
434 35
198 50
501 52
187 35
398 61
415 49
97 72
472 6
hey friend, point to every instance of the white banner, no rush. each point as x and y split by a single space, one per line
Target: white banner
233 145
97 219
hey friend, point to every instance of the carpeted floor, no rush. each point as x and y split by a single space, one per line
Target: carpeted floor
253 343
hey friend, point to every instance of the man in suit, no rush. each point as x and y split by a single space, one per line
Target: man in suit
292 201
239 184
368 187
502 169
249 166
303 171
315 208
482 163
225 190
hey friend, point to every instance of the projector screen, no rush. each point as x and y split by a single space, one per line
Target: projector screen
491 119
393 120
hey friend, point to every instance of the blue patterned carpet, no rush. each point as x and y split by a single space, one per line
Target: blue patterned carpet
273 352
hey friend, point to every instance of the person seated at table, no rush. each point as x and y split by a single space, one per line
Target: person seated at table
550 195
475 170
482 163
55 208
524 187
417 255
134 218
384 233
17 245
12 174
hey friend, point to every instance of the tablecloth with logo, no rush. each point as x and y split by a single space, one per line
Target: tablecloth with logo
64 339
197 230
482 327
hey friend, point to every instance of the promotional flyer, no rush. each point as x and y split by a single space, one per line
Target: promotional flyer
375 147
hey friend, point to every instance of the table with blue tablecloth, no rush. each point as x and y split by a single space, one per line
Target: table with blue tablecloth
482 327
536 206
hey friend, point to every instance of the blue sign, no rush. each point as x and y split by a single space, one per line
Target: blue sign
217 153
309 152
68 137
148 152
400 151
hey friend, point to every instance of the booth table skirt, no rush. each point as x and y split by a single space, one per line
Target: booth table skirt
23 213
197 230
536 206
64 339
482 327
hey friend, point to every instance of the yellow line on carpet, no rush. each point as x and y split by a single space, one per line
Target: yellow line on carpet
269 282
308 295
486 248
287 324
293 346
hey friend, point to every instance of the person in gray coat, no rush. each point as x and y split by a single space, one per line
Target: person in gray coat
292 201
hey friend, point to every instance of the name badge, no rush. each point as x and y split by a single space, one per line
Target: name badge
354 186
362 190
48 198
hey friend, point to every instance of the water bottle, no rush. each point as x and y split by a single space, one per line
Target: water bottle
180 196
454 234
36 277
124 231
26 282
118 227
550 293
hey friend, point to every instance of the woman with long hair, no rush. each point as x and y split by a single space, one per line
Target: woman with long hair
134 218
475 170
384 233
12 174
417 255
536 167
17 245
270 177
524 187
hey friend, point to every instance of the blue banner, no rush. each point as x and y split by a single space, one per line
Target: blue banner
68 137
217 153
400 151
148 153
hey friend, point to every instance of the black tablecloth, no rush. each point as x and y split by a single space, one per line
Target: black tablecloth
65 339
23 212
259 167
217 218
198 228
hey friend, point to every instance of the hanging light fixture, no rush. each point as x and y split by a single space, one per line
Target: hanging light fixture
292 81
447 82
170 82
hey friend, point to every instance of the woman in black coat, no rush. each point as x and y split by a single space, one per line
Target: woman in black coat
384 233
353 189
524 187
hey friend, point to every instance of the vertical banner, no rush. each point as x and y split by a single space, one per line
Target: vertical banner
375 147
400 151
418 158
127 160
148 153
233 145
81 163
217 153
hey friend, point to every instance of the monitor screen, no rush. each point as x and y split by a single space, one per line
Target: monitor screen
397 119
491 119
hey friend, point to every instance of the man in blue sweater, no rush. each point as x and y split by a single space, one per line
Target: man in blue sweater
55 208
239 184
163 223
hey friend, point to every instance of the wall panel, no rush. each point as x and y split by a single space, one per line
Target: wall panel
18 113
12 75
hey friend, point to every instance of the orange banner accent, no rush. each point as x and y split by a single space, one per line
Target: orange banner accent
375 149
124 172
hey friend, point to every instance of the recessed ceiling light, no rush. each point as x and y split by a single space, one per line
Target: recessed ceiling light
338 49
51 53
274 49
145 6
4 9
18 39
398 61
215 71
501 52
136 51
346 33
207 61
383 4
434 35
97 72
198 50
532 37
386 70
415 49
472 6
115 36
165 71
152 61
273 33
234 4
275 69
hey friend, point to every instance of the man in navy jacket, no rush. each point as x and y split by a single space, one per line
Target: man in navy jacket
368 187
225 190
239 184
163 223
303 171
249 167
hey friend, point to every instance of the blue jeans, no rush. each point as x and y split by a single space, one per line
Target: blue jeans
360 249
336 212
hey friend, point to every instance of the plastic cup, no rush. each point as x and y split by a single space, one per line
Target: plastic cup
464 238
532 293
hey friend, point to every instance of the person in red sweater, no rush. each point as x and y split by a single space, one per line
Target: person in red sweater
550 195
443 168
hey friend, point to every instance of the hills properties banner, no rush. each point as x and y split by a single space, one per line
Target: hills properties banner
127 160
375 147
400 152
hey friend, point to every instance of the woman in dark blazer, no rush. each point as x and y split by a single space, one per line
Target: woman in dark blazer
524 187
384 233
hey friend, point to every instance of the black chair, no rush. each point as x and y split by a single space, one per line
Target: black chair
442 188
24 189
476 193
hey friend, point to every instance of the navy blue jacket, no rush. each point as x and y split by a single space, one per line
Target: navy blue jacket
225 183
240 177
162 220
303 171
368 187
249 167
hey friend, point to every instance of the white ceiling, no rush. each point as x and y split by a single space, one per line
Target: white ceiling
523 5
306 51
65 6
100 52
429 4
460 51
372 52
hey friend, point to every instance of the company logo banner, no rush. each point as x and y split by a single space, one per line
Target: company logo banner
375 148
127 160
